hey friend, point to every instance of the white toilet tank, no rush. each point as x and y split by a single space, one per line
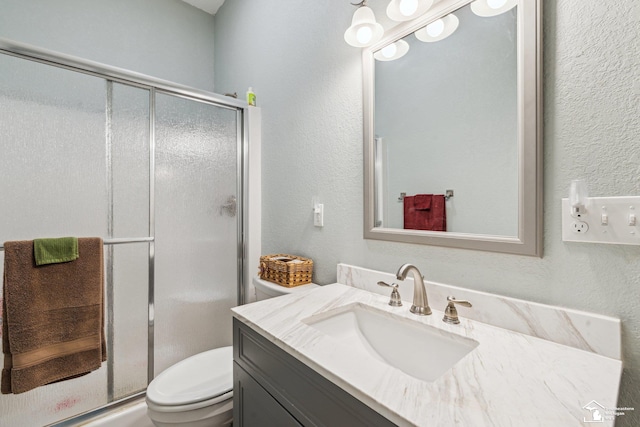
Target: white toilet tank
266 289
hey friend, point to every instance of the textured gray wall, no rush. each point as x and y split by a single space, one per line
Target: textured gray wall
308 81
167 39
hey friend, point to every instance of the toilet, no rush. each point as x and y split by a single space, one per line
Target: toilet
266 289
198 391
195 392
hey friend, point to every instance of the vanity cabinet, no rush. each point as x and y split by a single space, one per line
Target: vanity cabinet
273 388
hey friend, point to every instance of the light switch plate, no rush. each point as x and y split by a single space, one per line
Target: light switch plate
608 220
318 215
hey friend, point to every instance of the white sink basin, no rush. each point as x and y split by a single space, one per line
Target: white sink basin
416 349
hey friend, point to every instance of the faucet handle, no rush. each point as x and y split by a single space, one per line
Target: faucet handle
459 301
451 313
395 300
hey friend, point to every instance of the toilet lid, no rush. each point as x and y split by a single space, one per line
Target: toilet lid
197 378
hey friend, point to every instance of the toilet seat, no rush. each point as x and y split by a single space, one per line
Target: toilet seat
220 401
197 381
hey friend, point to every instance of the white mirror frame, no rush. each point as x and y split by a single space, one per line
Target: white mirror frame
530 170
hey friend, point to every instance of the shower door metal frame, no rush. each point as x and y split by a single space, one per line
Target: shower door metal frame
153 85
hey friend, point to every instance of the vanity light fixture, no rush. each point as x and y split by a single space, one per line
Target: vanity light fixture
488 8
364 30
439 29
405 10
392 51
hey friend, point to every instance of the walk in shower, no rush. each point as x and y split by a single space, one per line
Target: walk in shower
154 169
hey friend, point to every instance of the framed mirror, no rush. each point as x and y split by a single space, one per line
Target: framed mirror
453 128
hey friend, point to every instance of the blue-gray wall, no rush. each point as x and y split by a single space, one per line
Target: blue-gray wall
308 82
167 39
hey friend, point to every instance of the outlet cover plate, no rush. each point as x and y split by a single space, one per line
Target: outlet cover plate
616 210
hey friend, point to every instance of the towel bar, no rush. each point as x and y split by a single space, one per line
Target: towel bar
117 241
447 195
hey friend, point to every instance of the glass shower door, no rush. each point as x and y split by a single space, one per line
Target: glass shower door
156 175
75 162
53 167
196 227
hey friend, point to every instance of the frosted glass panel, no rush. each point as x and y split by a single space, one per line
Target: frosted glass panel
76 161
196 241
57 137
53 152
129 140
53 163
129 126
130 318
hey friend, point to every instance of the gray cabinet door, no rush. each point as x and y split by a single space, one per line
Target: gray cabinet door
254 407
308 396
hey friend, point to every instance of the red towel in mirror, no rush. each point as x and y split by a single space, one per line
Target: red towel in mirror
425 212
422 201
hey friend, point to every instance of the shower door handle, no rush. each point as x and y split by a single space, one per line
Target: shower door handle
230 208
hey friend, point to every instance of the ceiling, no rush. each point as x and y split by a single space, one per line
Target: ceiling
209 6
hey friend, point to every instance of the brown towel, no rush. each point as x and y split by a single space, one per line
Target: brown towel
53 326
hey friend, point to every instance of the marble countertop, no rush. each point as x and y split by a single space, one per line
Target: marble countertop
509 379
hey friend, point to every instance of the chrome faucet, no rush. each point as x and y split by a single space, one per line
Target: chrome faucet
420 302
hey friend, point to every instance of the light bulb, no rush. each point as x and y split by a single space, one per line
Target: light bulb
435 28
389 51
408 7
392 51
364 34
496 4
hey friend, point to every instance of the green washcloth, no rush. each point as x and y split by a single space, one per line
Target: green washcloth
53 251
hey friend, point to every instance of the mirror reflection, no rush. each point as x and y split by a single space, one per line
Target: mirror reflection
446 118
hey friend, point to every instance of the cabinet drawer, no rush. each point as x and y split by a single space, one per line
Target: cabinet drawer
308 396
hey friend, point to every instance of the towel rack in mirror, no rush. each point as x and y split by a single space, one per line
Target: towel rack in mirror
447 195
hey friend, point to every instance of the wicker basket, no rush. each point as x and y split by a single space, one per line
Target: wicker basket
286 270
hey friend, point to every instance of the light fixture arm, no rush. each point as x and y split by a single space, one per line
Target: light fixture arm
362 3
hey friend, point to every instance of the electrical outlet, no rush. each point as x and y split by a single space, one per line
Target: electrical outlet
611 220
579 227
